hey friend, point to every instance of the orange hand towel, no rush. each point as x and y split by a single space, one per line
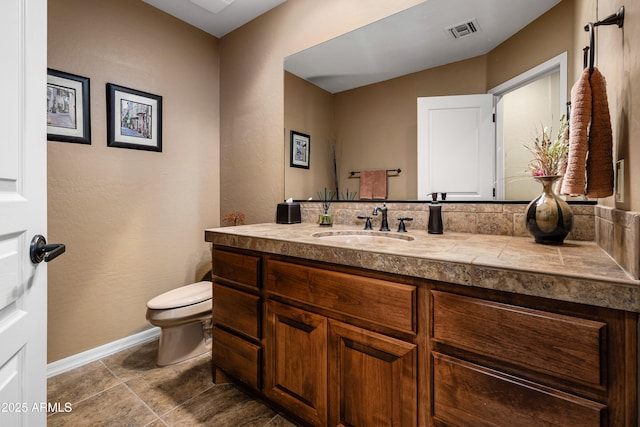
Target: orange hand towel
574 180
373 184
600 160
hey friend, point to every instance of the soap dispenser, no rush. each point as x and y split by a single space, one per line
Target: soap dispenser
435 216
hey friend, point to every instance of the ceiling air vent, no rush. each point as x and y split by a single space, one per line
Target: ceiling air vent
464 29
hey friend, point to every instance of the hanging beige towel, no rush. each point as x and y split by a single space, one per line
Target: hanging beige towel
600 159
373 184
574 180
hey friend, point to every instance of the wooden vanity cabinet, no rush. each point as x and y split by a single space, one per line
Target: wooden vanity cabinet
237 326
327 359
340 346
515 360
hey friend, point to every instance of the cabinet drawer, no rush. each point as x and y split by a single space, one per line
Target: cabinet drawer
548 343
237 357
468 394
239 269
237 310
386 303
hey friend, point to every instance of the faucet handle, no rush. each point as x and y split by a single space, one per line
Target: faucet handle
401 227
367 224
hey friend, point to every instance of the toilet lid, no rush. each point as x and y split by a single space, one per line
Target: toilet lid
182 296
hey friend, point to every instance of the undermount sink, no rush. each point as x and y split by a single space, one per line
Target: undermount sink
346 236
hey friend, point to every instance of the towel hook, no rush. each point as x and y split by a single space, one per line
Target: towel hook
585 57
616 18
592 48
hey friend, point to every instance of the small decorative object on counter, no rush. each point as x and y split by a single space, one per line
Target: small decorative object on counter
435 216
234 218
549 218
324 219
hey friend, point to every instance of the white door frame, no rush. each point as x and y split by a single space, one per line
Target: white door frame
557 63
23 212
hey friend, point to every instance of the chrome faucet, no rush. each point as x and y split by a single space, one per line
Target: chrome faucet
385 224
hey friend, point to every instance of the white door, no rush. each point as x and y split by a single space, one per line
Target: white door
456 147
23 212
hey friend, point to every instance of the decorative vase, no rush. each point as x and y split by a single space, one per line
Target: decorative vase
549 218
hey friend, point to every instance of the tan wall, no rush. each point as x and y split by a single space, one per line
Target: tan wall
132 220
309 110
376 125
251 93
546 37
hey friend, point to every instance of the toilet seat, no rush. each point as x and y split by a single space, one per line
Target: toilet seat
182 297
180 315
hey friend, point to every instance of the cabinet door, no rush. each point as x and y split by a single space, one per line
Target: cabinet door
372 378
296 361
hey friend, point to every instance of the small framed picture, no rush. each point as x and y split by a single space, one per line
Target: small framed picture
134 119
68 112
300 150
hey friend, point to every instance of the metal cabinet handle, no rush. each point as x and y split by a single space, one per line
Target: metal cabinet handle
40 251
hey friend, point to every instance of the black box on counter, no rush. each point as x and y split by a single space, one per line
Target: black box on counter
288 213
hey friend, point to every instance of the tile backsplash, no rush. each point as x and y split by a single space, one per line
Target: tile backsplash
618 233
614 230
505 219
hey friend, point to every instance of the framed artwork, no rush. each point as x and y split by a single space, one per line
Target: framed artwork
300 150
68 116
134 119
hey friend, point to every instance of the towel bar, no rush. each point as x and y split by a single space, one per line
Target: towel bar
396 171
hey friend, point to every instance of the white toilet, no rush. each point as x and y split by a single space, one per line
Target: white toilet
184 316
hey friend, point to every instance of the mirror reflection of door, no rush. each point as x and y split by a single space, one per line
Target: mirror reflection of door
456 147
526 111
524 106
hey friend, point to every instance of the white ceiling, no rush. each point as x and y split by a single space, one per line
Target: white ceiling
235 15
407 42
413 40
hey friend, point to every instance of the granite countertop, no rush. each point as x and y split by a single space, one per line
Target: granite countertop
576 271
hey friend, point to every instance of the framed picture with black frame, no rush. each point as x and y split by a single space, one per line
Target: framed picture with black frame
300 150
68 107
134 119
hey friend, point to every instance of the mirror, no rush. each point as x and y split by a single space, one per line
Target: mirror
356 95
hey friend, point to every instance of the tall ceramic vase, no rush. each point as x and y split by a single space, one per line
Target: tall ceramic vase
549 218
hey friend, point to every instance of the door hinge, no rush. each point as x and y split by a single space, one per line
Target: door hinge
494 192
494 117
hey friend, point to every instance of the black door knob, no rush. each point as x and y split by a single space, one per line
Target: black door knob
40 251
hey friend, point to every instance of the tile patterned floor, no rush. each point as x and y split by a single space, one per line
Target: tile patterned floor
128 389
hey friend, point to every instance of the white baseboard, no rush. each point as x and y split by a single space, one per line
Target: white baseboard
77 360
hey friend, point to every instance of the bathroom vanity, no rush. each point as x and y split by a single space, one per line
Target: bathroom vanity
339 327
